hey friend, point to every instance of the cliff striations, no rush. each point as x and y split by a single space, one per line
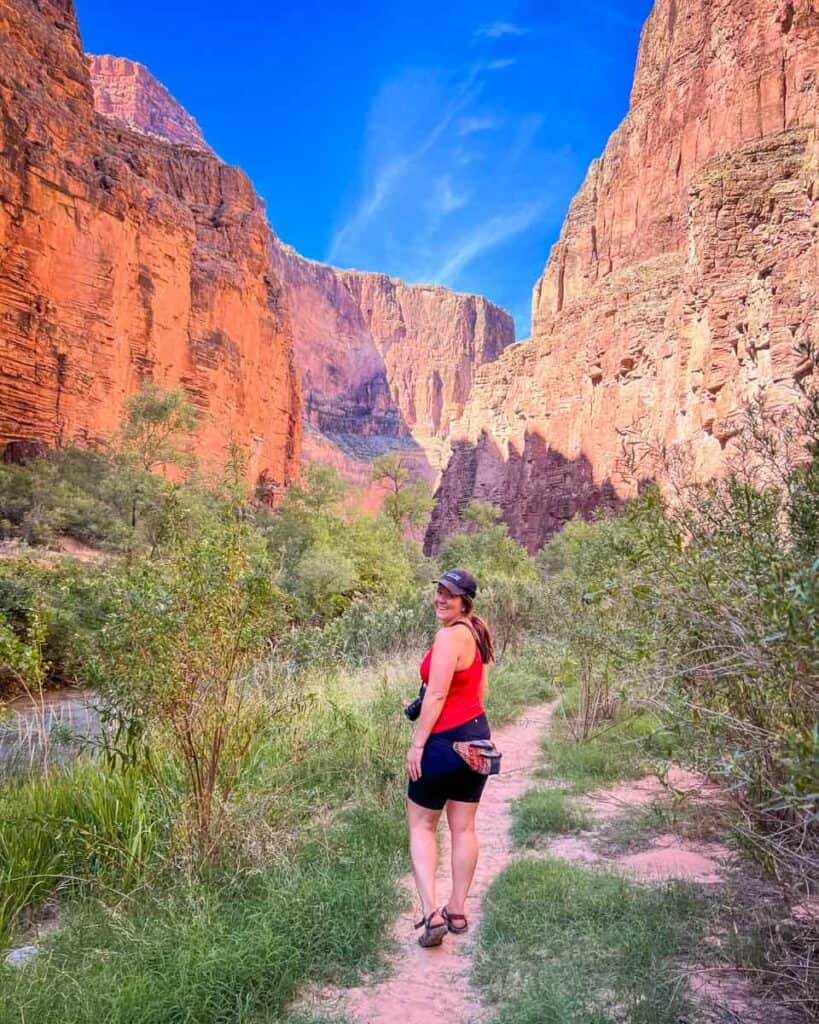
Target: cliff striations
684 279
126 91
384 365
126 257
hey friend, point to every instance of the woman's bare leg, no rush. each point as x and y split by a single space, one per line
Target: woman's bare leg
461 819
422 824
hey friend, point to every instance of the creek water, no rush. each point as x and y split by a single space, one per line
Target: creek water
52 726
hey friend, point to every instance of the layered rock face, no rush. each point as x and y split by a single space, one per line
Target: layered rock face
125 257
685 278
126 91
385 365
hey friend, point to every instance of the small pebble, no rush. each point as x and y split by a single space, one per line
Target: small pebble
20 957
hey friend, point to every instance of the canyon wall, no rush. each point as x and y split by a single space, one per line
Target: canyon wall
385 365
126 257
126 91
685 278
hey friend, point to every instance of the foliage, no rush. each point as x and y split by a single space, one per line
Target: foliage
409 502
410 506
704 608
509 590
157 424
226 950
567 945
177 650
524 677
327 557
392 467
70 827
68 602
71 492
627 747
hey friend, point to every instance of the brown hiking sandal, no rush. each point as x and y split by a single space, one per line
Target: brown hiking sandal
433 933
456 929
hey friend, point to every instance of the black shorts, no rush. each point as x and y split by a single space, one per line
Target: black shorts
444 774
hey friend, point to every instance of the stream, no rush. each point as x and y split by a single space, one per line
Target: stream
50 727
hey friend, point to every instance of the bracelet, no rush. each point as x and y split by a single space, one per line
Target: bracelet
417 746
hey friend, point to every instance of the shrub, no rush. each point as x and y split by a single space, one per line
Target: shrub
176 654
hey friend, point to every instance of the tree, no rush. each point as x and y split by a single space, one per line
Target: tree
174 659
158 421
392 467
157 426
410 506
410 501
482 514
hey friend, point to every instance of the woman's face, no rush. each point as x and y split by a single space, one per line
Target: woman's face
448 607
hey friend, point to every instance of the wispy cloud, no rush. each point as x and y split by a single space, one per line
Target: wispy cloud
501 29
500 64
455 180
487 235
390 170
472 125
448 199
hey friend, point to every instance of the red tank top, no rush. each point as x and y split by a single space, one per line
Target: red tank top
463 701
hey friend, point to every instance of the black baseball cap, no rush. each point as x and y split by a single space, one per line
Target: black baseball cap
459 582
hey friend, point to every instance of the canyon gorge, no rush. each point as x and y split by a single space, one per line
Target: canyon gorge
682 284
685 278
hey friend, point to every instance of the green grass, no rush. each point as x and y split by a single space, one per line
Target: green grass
522 679
625 748
543 812
77 825
565 945
222 953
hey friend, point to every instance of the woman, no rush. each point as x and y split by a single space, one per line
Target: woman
452 709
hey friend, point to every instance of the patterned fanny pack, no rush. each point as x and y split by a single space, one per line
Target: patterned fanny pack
481 755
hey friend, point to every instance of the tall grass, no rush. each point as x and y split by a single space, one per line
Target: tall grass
227 952
78 825
565 945
625 747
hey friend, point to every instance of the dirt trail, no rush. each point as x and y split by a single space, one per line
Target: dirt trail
424 983
418 983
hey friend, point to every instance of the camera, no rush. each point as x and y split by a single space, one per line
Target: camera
413 710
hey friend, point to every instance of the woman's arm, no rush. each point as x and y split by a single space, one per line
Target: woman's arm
441 670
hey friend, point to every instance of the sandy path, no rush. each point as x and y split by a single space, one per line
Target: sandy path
424 983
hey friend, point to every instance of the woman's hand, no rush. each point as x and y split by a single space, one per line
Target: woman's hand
414 755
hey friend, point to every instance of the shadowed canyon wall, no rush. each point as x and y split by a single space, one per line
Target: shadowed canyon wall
385 365
125 257
685 276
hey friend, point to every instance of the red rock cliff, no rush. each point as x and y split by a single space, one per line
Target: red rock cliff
384 364
126 257
685 275
127 91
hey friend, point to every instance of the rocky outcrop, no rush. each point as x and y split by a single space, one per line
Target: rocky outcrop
684 280
127 92
385 365
126 257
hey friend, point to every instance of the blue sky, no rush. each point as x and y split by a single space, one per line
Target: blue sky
432 141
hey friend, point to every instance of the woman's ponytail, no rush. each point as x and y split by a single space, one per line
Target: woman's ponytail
483 638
